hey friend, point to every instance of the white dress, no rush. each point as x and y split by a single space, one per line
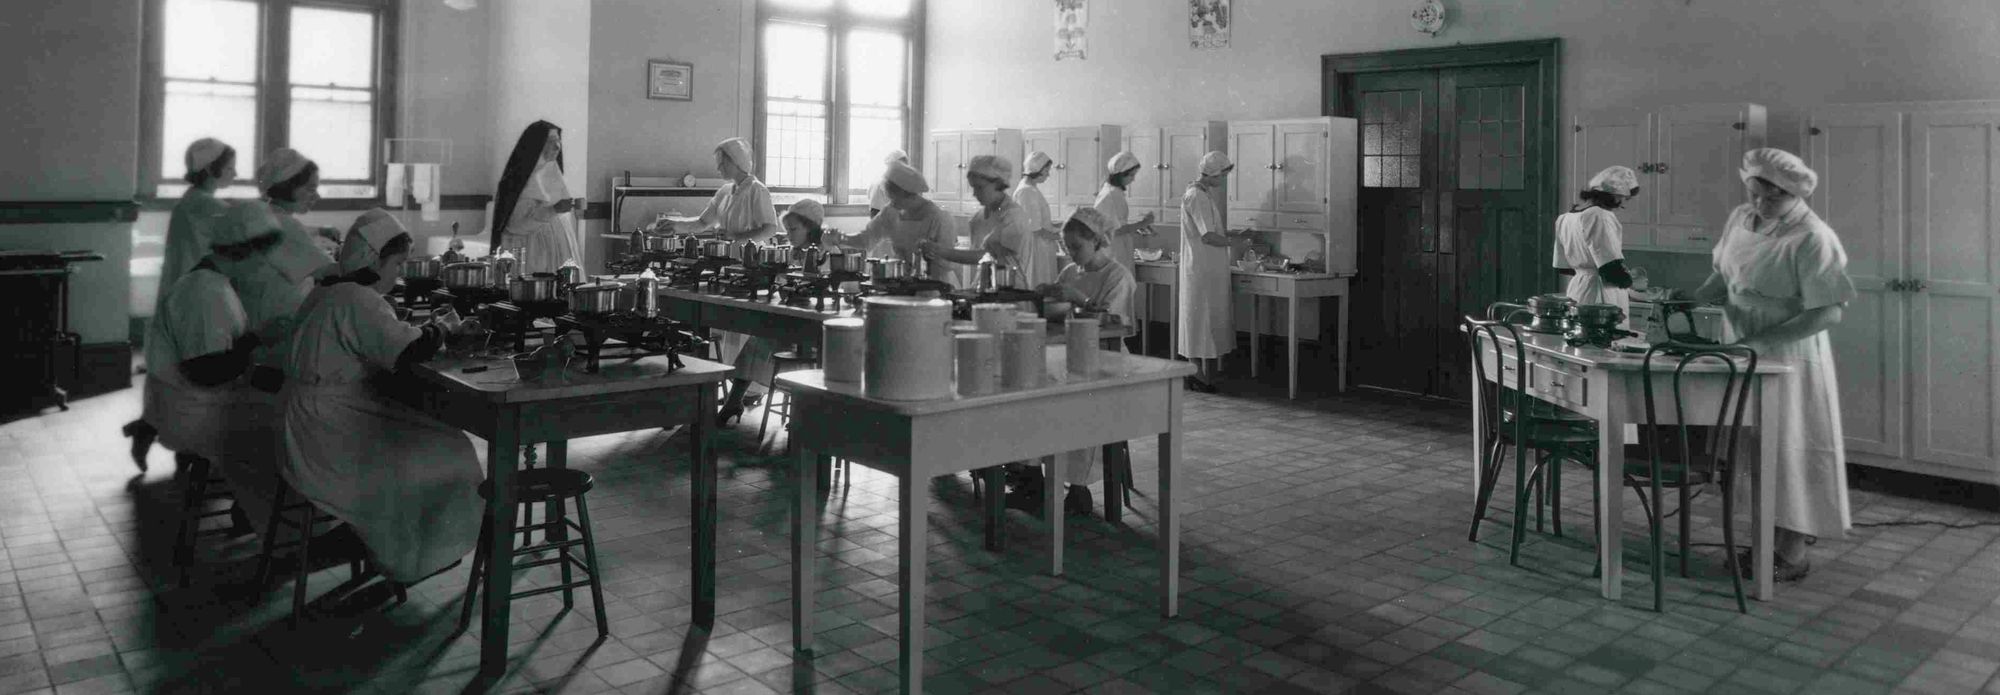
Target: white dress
899 233
548 236
1038 253
274 289
407 483
1110 286
1796 265
1586 240
1206 330
1111 201
233 426
187 243
739 207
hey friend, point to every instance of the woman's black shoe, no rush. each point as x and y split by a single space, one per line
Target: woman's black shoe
142 434
1199 386
1078 502
728 413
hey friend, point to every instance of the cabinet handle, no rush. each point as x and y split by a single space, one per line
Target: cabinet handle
1918 286
1660 168
1894 285
1645 168
1278 167
1060 166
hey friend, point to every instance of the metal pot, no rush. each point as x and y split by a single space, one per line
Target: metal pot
809 257
1551 313
746 253
503 268
775 255
661 243
420 268
690 246
885 268
569 275
648 301
846 263
468 275
536 287
1597 325
715 248
595 298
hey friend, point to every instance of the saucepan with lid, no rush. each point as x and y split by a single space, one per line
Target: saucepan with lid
715 248
422 268
1551 313
468 275
596 298
533 287
846 263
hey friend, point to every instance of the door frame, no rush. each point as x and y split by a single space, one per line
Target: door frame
1545 55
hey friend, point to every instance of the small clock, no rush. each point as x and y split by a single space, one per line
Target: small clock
687 179
1429 17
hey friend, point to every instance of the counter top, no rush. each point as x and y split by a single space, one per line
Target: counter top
500 383
1114 369
1703 308
1255 273
1556 346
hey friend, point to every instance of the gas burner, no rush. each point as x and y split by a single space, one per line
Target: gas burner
467 300
516 320
907 287
629 335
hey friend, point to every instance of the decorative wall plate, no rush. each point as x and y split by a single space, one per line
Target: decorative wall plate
1428 17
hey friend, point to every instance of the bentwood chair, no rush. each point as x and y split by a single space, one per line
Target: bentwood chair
1688 451
1513 419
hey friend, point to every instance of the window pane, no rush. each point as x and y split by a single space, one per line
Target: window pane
871 133
875 68
196 110
211 40
794 144
795 61
335 127
880 8
333 47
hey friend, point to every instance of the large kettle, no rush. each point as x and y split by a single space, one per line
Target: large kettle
690 246
809 258
747 253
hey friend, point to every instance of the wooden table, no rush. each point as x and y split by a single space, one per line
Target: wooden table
1609 387
768 318
1290 287
1131 396
496 405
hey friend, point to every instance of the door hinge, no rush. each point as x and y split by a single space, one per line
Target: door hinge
1576 129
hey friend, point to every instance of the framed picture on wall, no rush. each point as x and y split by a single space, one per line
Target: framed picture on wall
669 80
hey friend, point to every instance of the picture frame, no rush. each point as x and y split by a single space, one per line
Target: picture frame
666 79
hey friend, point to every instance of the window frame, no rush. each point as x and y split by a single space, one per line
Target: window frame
839 21
274 88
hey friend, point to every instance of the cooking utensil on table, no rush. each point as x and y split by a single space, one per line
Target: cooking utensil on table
468 275
595 299
534 287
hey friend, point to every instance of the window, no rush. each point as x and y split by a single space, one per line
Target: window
264 74
834 93
1391 140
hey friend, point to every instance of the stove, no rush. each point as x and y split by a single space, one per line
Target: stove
746 281
907 287
816 291
628 335
511 320
415 293
466 300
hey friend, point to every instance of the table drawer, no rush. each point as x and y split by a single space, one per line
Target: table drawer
1254 284
1301 221
1558 383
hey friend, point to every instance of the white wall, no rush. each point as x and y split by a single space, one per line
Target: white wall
539 61
443 90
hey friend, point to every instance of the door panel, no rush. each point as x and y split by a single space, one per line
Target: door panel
1182 150
1490 247
1252 149
1955 318
1858 158
1301 173
1144 192
1395 344
1079 164
1693 142
945 165
982 143
1599 139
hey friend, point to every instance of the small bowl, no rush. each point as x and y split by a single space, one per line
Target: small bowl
1150 255
1247 266
529 366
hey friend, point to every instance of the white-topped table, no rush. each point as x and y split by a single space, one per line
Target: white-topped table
1609 387
1130 397
1290 287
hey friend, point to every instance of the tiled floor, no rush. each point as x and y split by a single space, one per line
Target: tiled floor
1324 552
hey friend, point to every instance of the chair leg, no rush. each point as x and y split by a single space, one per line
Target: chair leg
1489 476
1555 473
1659 548
194 487
1522 496
478 571
1687 526
561 533
266 561
1729 539
770 403
305 564
596 571
1538 481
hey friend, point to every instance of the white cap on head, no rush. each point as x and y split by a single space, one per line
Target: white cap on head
991 166
896 156
371 231
1121 163
808 209
245 221
738 151
280 166
1036 162
201 153
1783 169
906 177
1615 179
1215 163
1098 223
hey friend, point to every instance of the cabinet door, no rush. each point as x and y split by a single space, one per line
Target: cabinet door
1252 148
1079 162
984 142
1144 192
1859 160
1599 139
944 165
1302 163
1953 230
1047 141
1181 150
1697 150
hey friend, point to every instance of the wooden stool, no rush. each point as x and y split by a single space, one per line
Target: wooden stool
198 486
291 510
783 361
539 486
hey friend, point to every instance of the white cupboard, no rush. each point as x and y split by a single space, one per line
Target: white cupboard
1079 155
1686 156
1169 160
1913 190
1300 178
946 154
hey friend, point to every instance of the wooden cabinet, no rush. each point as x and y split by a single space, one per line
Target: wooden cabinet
946 154
1079 155
1912 190
1169 160
1298 177
1687 158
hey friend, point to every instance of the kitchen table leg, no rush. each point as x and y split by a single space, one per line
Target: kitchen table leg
1145 313
994 505
1292 345
805 537
502 455
1610 483
558 459
1342 338
1763 493
1256 323
1054 509
912 546
701 508
1170 509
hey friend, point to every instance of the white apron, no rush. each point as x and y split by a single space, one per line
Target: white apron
1586 240
1206 331
549 237
187 238
1773 277
1038 253
1111 201
407 483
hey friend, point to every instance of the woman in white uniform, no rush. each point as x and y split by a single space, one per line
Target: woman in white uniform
1590 242
741 210
1092 281
1119 172
290 185
1783 275
878 198
1038 258
532 205
910 223
1206 331
1000 229
211 165
199 345
406 484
